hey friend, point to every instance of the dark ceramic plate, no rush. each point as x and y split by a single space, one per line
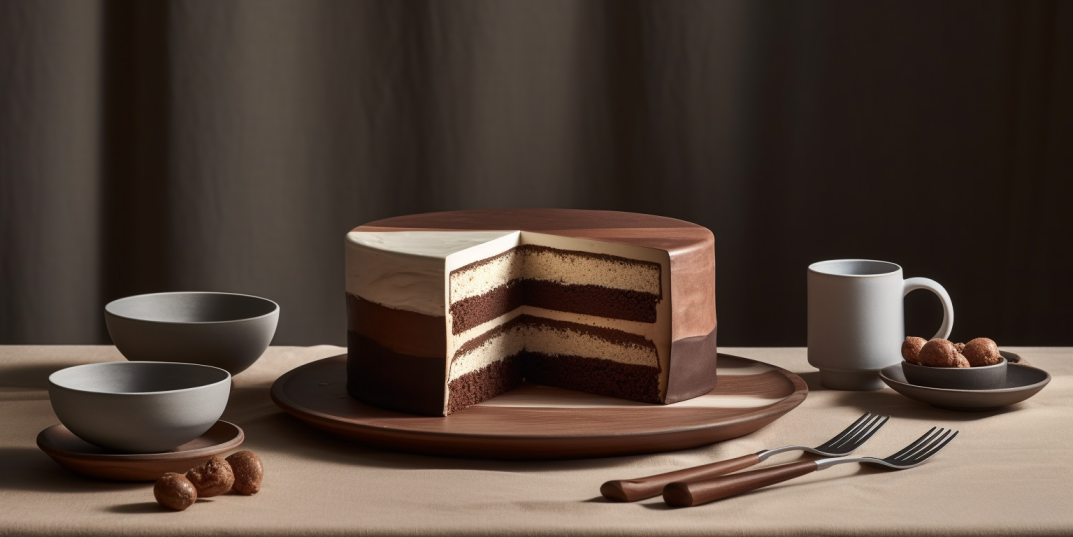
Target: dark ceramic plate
1022 382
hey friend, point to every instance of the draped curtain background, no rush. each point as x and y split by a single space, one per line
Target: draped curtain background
155 146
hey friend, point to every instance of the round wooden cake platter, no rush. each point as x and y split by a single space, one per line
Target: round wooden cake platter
540 422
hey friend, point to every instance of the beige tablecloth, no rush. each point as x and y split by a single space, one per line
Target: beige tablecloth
1009 472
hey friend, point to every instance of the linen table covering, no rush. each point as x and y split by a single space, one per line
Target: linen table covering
1009 472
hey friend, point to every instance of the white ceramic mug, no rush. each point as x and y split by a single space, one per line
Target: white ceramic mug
856 319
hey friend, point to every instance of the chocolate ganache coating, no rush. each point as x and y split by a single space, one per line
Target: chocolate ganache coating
397 357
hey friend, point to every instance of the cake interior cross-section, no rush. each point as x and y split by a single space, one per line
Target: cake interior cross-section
440 320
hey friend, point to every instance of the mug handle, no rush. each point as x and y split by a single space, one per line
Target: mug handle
912 284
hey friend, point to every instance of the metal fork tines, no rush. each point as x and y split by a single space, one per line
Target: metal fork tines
843 443
912 455
688 494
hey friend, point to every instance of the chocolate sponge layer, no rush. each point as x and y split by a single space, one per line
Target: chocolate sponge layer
583 299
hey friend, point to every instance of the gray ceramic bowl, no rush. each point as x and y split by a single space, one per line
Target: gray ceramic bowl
139 407
224 330
986 377
1022 382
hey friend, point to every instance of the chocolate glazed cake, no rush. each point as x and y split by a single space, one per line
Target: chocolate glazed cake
446 310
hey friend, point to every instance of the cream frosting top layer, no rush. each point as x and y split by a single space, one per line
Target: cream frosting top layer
410 270
406 269
428 244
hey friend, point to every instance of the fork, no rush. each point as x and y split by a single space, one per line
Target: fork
699 492
843 443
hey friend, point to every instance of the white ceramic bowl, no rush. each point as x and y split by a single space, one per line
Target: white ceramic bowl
224 330
139 407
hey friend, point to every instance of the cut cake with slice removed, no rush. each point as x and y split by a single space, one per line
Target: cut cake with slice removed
446 310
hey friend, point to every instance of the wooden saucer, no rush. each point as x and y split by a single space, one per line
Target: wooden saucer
539 422
84 458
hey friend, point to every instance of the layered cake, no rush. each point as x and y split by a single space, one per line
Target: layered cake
446 310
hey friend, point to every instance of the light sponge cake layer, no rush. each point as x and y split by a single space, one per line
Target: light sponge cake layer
551 337
566 267
578 282
607 361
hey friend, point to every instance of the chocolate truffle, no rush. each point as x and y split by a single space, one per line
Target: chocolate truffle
248 470
941 353
982 351
212 478
911 349
174 491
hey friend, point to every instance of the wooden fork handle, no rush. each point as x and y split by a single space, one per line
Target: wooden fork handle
701 492
632 490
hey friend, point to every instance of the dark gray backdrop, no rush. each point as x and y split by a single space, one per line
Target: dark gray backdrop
154 146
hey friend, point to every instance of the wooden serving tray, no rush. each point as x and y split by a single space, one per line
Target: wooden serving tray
540 422
81 457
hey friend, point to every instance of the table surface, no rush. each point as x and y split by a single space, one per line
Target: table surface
1009 472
